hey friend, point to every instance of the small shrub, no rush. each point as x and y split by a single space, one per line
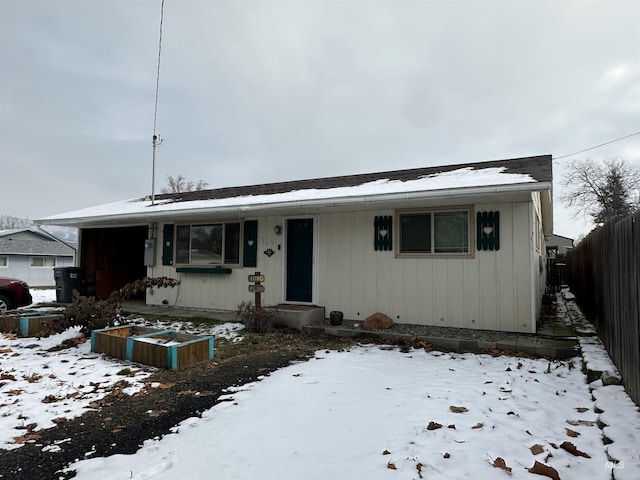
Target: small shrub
92 314
255 319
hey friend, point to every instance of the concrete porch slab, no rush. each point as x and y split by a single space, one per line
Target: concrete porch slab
298 316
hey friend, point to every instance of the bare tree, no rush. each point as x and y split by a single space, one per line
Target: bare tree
602 190
8 222
181 184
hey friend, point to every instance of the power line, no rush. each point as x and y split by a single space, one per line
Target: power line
596 146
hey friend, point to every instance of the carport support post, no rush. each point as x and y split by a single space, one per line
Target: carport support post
258 295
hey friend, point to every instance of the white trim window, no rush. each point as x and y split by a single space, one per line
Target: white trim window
42 262
4 261
208 244
435 232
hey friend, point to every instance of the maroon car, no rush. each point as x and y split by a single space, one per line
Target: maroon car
14 293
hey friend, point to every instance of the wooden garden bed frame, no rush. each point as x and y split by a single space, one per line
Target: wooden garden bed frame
29 324
160 348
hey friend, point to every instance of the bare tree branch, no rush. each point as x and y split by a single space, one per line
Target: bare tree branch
602 190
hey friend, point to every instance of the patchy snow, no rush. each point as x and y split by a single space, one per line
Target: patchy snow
456 179
338 414
37 386
365 414
42 295
595 356
228 330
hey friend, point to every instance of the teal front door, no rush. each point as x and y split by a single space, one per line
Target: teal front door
299 268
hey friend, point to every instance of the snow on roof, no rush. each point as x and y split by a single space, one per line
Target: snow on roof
460 178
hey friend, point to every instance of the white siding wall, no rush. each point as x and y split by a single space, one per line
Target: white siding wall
493 290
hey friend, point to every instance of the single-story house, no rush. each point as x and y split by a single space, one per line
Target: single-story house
558 245
31 254
455 245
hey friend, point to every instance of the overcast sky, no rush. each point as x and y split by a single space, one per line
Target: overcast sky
262 91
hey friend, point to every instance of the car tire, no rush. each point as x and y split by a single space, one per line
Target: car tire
5 304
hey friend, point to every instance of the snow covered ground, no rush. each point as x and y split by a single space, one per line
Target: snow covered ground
377 413
39 387
369 413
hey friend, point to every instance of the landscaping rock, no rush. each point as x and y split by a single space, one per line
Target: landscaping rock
611 378
378 321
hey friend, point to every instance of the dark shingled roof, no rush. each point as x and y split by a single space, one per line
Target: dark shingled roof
28 242
538 167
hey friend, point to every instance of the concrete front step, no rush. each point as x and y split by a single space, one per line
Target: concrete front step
298 316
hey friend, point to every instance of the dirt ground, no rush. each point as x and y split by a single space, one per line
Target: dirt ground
122 423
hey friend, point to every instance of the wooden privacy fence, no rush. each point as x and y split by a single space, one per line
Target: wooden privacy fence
603 272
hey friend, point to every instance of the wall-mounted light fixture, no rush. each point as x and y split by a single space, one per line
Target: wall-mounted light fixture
277 229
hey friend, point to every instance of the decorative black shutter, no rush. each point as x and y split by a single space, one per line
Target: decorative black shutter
488 230
383 234
250 246
167 244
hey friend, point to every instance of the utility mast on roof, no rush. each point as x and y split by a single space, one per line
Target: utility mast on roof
156 140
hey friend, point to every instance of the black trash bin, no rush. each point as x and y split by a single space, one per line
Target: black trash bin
67 280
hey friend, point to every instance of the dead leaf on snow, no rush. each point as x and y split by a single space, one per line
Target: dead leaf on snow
500 463
30 437
581 409
419 468
455 409
391 466
554 445
545 470
536 449
571 448
451 426
572 433
446 455
297 375
7 376
433 426
49 399
386 452
478 425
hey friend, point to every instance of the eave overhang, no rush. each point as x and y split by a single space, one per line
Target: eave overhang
451 196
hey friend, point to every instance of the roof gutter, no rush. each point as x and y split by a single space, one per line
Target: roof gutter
145 217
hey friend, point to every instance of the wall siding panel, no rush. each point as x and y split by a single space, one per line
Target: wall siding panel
492 290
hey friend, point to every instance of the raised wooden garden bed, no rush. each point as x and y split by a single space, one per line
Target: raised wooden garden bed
27 325
160 348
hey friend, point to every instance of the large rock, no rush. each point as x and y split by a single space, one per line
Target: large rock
377 321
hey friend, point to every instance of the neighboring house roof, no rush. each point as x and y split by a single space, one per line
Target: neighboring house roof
32 241
386 189
560 239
